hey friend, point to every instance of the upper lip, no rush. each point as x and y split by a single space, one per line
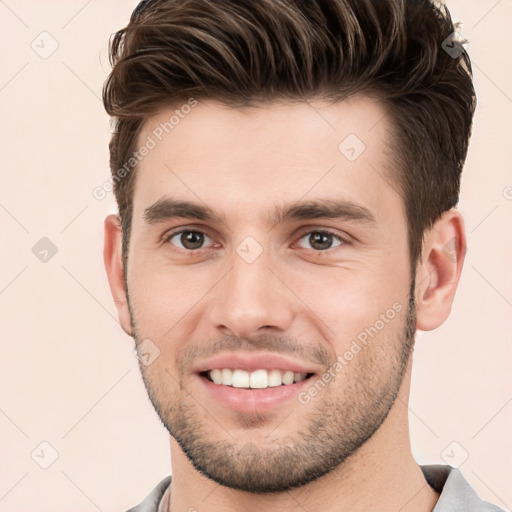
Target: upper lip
251 362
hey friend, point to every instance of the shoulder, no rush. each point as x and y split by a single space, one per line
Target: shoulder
152 500
455 492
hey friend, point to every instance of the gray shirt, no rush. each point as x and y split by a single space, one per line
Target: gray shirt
455 493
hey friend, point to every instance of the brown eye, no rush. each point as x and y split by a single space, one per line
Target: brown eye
189 240
321 240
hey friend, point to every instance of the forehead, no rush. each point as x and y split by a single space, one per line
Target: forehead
278 152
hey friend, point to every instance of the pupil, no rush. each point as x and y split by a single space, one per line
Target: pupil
321 240
192 240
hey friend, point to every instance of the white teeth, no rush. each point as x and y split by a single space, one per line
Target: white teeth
288 378
216 376
240 379
227 377
258 379
274 378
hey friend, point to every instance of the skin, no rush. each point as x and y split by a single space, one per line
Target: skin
294 299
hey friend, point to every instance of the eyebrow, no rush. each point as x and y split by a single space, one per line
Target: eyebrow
168 208
324 208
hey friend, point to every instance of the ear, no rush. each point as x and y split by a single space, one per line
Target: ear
113 265
438 273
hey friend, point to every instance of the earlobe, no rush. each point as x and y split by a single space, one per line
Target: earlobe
113 264
438 273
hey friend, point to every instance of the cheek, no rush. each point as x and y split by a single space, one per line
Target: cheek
162 298
356 303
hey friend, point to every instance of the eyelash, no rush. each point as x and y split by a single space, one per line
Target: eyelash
344 241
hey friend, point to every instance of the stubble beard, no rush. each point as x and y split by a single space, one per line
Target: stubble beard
335 428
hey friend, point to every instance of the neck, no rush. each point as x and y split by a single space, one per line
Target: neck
382 476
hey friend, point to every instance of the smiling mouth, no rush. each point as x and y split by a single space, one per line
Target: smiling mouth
258 379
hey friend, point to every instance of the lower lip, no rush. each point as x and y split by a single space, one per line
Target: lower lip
253 400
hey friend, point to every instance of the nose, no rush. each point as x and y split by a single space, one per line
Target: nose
251 298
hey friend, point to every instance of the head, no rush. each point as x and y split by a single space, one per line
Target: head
260 118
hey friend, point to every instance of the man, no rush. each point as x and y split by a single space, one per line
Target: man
287 174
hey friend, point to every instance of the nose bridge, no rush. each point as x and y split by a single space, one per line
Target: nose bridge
251 296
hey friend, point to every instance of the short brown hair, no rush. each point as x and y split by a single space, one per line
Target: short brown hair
245 52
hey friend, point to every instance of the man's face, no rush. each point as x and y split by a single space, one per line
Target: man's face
254 281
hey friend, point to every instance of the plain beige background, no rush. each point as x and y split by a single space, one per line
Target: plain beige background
68 376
